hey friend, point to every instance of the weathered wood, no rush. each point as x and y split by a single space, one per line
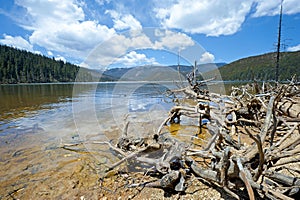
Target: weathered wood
281 178
127 158
260 152
255 133
267 122
207 174
245 179
286 136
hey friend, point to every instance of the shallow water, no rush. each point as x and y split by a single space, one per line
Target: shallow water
52 107
37 120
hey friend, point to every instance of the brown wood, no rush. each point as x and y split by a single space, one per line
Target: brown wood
255 138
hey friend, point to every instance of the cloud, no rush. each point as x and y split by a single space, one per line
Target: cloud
110 50
59 57
172 40
17 42
133 59
207 57
66 28
294 48
118 46
61 26
218 17
271 7
49 53
102 2
213 18
51 11
77 39
123 22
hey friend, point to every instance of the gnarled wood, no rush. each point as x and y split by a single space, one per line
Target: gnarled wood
255 132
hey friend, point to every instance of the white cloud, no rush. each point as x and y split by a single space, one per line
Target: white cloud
123 22
294 48
265 7
77 39
38 52
61 26
17 42
102 2
52 11
212 18
49 53
172 40
133 59
59 57
218 17
207 57
109 51
271 7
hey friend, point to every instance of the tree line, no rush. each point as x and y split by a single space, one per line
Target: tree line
20 66
262 67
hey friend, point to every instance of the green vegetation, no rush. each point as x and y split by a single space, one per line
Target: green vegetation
262 67
20 66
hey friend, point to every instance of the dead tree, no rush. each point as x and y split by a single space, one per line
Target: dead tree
254 147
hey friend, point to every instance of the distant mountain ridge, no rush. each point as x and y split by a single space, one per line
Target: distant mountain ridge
20 66
132 72
262 67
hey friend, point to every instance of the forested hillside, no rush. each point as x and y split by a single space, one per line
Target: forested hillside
262 67
19 66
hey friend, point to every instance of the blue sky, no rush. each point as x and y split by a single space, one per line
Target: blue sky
106 33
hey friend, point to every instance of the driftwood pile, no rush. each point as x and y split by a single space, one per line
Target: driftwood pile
254 149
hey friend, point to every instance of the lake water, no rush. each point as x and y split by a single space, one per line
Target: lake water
37 120
58 107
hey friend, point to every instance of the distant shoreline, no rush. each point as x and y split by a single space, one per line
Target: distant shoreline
100 82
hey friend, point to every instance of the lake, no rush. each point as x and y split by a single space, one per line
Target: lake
53 107
38 120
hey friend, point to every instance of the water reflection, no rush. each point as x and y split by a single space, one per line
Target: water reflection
36 120
20 100
53 106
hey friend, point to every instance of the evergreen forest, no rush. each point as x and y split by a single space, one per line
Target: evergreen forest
262 67
20 66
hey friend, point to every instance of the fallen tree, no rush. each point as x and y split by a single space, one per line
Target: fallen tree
254 147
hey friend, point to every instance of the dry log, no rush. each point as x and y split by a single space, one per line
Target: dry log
267 123
260 153
269 119
244 178
289 107
281 178
127 158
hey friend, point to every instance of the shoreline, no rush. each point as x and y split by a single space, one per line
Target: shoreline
36 167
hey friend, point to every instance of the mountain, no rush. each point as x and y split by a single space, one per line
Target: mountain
203 68
20 66
262 67
167 73
116 73
146 73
